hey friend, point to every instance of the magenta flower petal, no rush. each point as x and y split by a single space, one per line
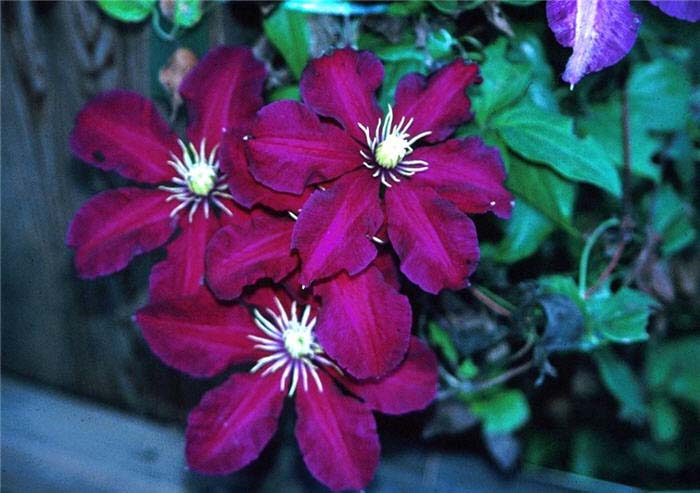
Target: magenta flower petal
243 187
438 104
337 436
122 131
342 86
688 10
238 256
233 423
601 33
115 226
410 387
182 272
335 227
369 312
467 173
436 242
223 91
387 266
198 335
291 148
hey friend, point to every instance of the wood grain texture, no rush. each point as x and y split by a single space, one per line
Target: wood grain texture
56 329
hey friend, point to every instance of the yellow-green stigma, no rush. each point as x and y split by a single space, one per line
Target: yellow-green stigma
389 148
198 181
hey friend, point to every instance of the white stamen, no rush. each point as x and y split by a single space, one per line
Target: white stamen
293 345
389 147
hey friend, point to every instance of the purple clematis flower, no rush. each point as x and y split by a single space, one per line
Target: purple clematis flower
364 322
122 131
602 32
232 424
372 169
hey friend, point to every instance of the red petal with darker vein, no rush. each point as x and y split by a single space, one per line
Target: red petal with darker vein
410 387
223 91
122 131
369 312
245 190
239 256
335 226
386 264
198 335
291 148
436 242
337 436
115 226
439 103
182 272
233 423
467 173
342 86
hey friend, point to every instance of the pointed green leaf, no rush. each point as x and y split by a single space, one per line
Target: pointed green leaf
548 138
288 31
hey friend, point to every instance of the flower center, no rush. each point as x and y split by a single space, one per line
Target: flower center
199 180
292 345
389 148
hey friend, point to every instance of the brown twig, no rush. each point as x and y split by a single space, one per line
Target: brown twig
627 224
495 307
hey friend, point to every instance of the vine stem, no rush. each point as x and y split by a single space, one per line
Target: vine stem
583 266
473 387
490 301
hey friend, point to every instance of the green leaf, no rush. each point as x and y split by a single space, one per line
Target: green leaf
621 317
546 191
504 82
559 284
405 8
393 71
664 420
622 383
440 338
548 138
285 92
440 44
127 10
670 220
604 123
187 12
467 370
674 369
659 94
288 31
501 412
524 232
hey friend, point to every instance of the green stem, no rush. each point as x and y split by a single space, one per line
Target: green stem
583 268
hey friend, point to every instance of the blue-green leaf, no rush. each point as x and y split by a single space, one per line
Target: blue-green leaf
659 94
127 10
502 412
187 12
669 217
622 383
524 233
621 317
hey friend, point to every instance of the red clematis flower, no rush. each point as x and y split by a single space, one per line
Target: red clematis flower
396 168
122 131
336 430
364 322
